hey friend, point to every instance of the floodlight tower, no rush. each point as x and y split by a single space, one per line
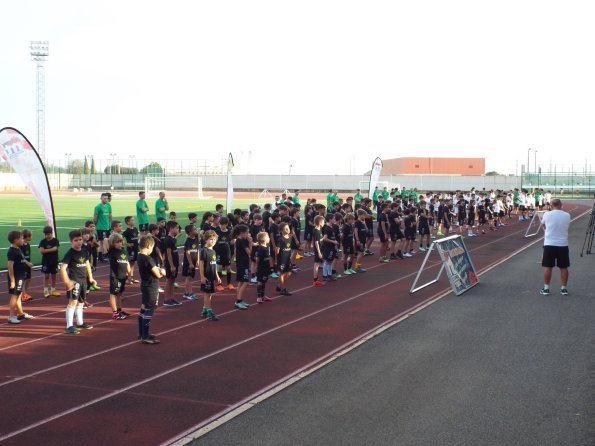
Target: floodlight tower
40 50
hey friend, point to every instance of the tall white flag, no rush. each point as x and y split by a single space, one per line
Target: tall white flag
16 150
374 175
229 203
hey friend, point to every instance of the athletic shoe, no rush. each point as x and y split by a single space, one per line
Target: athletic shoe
176 285
161 290
13 320
422 249
347 272
190 296
25 297
544 291
267 299
84 326
361 269
232 271
407 255
169 303
204 313
413 251
285 293
230 286
22 316
55 293
352 271
176 302
319 283
384 260
564 291
259 300
150 341
432 236
295 269
72 330
275 275
393 256
224 272
93 287
337 276
219 287
240 306
299 256
46 293
253 280
400 255
211 316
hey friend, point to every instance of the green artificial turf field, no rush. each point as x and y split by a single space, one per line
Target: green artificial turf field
72 211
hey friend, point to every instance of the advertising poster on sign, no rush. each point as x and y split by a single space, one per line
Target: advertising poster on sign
374 175
457 262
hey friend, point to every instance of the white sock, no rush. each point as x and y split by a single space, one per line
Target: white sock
546 287
45 290
69 316
79 315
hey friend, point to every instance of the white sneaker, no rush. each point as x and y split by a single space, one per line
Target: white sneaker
161 290
13 320
407 255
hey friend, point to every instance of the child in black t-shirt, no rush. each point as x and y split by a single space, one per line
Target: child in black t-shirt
243 251
283 254
131 236
150 273
75 272
255 228
262 257
26 249
161 232
361 235
171 262
223 251
119 266
17 266
348 244
208 273
190 260
49 246
317 245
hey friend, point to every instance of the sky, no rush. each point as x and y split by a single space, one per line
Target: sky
321 86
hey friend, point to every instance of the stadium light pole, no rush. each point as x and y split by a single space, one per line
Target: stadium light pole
290 166
113 155
68 155
40 50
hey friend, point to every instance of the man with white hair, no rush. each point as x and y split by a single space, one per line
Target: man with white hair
555 246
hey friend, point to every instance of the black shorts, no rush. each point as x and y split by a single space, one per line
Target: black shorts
461 221
187 271
149 296
208 287
49 269
360 247
143 227
471 222
295 244
382 237
410 234
317 258
424 230
284 263
18 286
555 256
117 286
101 234
223 260
308 235
132 255
171 273
348 248
262 277
28 273
243 273
522 207
446 222
370 233
482 220
78 293
329 255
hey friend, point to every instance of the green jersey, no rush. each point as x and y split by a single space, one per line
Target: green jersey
296 199
103 212
385 194
159 203
515 197
329 198
142 217
358 198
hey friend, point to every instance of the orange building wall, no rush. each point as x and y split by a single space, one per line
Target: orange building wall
434 166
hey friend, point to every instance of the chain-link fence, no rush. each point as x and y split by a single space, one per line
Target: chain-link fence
572 184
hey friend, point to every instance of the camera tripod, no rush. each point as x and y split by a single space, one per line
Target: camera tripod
588 243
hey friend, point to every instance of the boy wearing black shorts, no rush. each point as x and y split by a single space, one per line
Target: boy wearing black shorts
395 232
243 251
208 273
263 265
283 254
223 251
49 246
171 263
75 272
26 249
119 272
361 234
150 273
348 244
382 229
131 236
317 245
16 277
190 260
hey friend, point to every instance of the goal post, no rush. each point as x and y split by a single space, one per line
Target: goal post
186 184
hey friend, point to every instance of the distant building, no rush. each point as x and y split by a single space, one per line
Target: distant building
433 166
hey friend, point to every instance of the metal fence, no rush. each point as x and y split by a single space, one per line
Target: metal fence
572 184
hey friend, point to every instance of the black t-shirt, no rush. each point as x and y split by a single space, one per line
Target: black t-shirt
408 222
471 212
223 245
26 250
131 236
392 221
17 256
208 260
441 210
156 248
242 258
369 221
382 217
284 245
423 218
262 254
170 243
461 210
330 235
162 234
191 246
118 263
145 266
337 231
254 230
265 220
76 261
317 236
362 230
296 225
50 258
308 218
274 233
347 231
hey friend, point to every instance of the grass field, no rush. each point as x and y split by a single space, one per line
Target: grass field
72 211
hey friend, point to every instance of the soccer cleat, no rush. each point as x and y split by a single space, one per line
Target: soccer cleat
13 320
253 280
219 287
319 283
240 306
259 300
544 291
211 316
190 296
169 303
347 272
94 287
204 313
421 248
407 255
46 293
275 275
55 293
230 286
564 291
71 330
352 271
25 297
150 341
23 315
299 256
84 326
337 276
116 315
285 293
439 234
176 285
224 272
360 270
383 260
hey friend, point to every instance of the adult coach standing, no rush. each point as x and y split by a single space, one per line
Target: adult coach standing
161 206
102 217
142 214
555 246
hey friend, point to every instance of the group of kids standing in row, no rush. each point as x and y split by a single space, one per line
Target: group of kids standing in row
264 243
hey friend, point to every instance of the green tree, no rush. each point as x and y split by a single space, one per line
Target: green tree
152 168
492 173
76 167
86 167
93 169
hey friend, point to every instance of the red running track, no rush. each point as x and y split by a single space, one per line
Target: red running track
104 387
